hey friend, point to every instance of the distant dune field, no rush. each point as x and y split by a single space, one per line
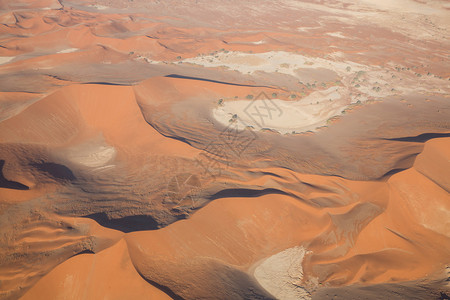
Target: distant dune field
224 149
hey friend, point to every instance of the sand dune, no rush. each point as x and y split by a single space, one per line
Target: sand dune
108 274
224 150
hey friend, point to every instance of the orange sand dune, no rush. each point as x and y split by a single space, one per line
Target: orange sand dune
367 242
336 220
108 274
224 150
351 231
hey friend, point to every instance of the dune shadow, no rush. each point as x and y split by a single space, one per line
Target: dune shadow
125 224
215 81
161 287
105 83
8 184
54 170
231 193
393 172
421 138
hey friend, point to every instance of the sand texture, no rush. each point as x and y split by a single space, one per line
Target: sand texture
224 149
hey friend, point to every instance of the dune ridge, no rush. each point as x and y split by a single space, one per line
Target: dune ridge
224 150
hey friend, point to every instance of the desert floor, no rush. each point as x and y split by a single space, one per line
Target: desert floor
197 149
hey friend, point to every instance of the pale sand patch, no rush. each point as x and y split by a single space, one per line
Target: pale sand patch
337 34
6 59
94 154
404 6
308 75
99 7
306 29
69 50
403 16
284 116
281 274
273 61
248 42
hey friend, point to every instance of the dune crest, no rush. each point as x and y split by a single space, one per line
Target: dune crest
224 149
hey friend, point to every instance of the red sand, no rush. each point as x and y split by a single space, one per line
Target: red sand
116 180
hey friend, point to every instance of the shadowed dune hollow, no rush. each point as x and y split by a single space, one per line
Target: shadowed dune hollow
224 150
